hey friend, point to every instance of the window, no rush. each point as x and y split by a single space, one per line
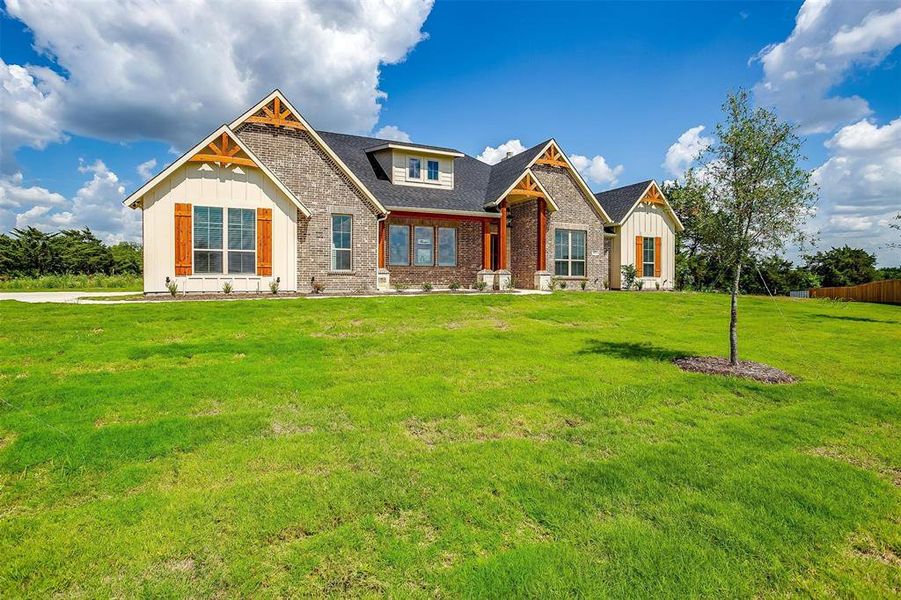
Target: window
433 170
207 239
569 253
422 254
413 169
399 245
447 246
647 259
341 242
242 243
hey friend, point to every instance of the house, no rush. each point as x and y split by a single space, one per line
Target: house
269 198
645 227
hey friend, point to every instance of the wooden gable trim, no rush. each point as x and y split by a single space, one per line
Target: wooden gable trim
653 195
552 157
223 151
276 115
527 186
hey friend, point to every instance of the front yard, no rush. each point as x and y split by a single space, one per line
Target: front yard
475 446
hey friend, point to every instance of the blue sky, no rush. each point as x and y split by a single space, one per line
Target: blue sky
90 95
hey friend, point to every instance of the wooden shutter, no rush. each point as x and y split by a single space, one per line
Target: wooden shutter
639 255
656 257
264 241
183 239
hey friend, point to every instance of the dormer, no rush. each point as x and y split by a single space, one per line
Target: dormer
419 166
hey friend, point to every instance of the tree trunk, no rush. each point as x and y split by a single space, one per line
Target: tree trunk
733 319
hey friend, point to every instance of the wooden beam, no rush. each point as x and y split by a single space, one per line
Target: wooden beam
502 237
552 163
542 234
529 193
486 246
217 158
412 214
276 122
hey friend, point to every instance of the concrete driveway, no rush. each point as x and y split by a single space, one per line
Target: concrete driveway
59 297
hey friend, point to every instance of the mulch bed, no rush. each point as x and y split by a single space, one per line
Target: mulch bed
715 365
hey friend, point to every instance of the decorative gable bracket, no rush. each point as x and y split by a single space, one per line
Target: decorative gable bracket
552 157
276 115
223 151
653 195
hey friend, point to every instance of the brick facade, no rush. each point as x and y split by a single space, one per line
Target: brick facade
524 243
325 190
469 255
575 212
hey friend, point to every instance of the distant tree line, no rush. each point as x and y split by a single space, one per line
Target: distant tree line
698 266
30 252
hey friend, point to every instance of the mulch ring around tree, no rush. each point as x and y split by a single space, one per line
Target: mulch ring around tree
715 365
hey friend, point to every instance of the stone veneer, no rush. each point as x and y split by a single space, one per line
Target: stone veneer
469 255
574 212
325 190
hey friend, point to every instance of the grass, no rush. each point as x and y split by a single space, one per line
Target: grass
479 446
83 283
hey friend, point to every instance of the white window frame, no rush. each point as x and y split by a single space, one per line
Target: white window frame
428 164
225 265
410 159
570 260
222 250
644 256
333 254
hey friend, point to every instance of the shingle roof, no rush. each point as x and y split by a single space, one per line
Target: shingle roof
475 183
618 201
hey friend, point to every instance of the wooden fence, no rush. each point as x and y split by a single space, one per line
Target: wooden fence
884 292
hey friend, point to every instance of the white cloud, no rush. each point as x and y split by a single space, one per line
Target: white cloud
685 151
860 186
391 132
172 71
596 170
28 110
828 41
492 156
97 204
145 169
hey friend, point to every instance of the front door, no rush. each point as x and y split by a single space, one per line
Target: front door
495 251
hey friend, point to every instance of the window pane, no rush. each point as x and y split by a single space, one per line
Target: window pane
447 246
241 229
398 245
433 170
207 227
561 244
341 260
423 248
341 231
578 245
648 269
560 268
206 261
577 268
242 262
413 169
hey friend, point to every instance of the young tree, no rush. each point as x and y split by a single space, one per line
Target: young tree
756 196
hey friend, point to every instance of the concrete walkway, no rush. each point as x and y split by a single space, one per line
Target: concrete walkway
58 297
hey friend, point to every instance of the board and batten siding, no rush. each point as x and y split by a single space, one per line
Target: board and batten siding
647 220
445 170
205 184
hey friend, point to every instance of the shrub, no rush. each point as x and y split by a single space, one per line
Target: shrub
400 286
583 284
629 275
318 287
639 283
426 287
605 284
657 285
454 286
172 287
273 286
562 285
554 283
227 287
481 285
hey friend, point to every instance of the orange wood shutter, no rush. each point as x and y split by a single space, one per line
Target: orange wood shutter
639 258
264 241
183 239
656 257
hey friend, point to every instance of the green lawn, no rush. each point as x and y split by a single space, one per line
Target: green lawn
80 283
448 446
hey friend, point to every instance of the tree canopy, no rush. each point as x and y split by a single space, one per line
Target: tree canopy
30 252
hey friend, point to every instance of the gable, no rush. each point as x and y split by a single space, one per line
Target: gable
552 157
224 149
653 196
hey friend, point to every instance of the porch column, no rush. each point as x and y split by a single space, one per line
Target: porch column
382 228
486 246
542 232
502 237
